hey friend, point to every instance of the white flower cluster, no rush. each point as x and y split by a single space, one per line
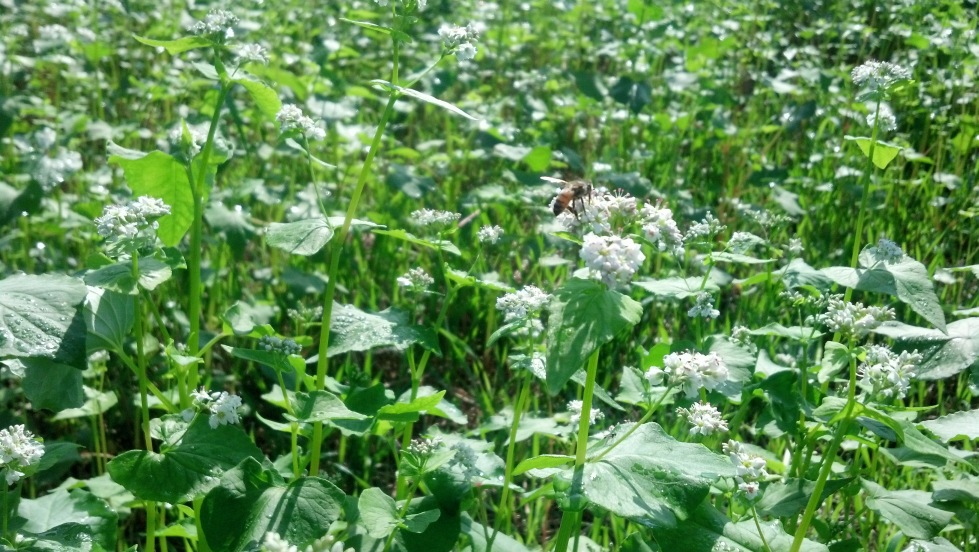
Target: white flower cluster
465 458
886 251
795 246
659 228
882 116
853 319
425 447
291 116
217 25
273 542
708 227
613 259
742 242
252 52
877 75
704 307
600 211
133 224
691 370
704 418
751 468
432 217
19 450
489 234
459 40
222 405
523 303
274 344
888 374
574 408
415 279
52 171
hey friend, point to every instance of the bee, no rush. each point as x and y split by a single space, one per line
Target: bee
572 196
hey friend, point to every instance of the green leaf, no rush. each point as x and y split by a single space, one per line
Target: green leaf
725 257
177 46
62 508
162 176
52 386
907 280
937 544
477 533
302 237
708 530
274 360
584 315
118 277
911 511
884 152
96 403
188 467
636 95
109 318
418 523
378 513
543 461
944 354
40 316
441 528
252 500
355 330
409 411
446 246
539 159
264 96
642 480
321 406
676 287
919 450
795 333
412 93
789 497
955 425
400 35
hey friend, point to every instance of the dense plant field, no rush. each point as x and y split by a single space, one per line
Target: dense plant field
469 275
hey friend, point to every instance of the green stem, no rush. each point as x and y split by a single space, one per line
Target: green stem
331 285
571 518
761 534
503 510
828 459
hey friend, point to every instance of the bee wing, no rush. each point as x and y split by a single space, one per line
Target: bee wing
553 180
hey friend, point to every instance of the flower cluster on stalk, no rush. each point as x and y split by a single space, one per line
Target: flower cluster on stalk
291 117
19 451
704 419
274 344
887 374
751 468
222 406
689 370
416 279
459 40
273 542
574 409
217 25
853 319
128 228
886 251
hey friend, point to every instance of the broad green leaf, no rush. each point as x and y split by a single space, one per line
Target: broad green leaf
911 511
937 544
118 277
477 536
836 359
788 498
303 237
355 330
676 287
275 360
642 480
584 315
884 152
539 159
52 386
963 489
177 46
907 280
645 10
795 333
725 257
378 513
919 450
62 508
636 95
109 317
955 425
264 97
40 316
252 500
444 245
543 461
96 402
409 411
412 93
159 175
945 354
418 523
400 35
187 468
708 530
429 529
321 406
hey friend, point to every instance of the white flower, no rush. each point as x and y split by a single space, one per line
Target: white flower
224 409
795 246
853 318
252 52
52 171
574 408
465 52
432 217
710 226
742 242
750 468
659 228
19 449
693 371
133 225
888 374
883 117
416 278
538 366
704 308
459 40
615 260
489 234
291 116
275 543
218 25
704 419
876 75
886 251
522 303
